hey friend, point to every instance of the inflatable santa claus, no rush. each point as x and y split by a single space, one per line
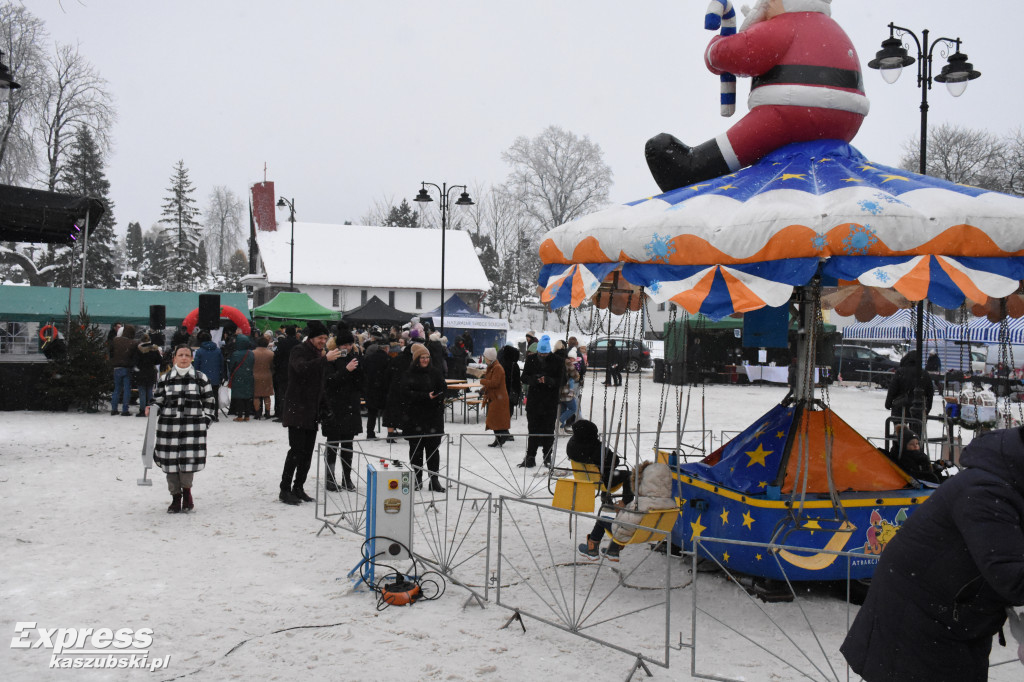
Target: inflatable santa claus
806 86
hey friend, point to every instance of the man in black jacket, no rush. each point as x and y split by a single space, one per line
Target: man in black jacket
281 355
943 583
544 373
900 398
306 366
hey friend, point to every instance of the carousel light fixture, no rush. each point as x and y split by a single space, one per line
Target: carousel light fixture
423 197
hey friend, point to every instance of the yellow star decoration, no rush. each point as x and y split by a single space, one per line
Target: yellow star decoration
697 528
758 456
894 177
824 160
725 557
812 526
696 188
852 466
748 520
762 484
852 180
867 168
758 556
793 176
725 517
780 434
727 187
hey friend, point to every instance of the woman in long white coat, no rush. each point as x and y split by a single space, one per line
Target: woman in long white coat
187 406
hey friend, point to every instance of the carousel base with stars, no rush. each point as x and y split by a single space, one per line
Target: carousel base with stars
769 486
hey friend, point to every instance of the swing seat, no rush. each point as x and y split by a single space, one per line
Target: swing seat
657 524
573 495
589 473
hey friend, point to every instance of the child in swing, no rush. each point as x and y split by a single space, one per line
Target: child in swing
654 491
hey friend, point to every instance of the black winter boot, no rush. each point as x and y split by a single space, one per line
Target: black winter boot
301 494
175 507
589 550
186 500
435 485
528 463
675 165
287 497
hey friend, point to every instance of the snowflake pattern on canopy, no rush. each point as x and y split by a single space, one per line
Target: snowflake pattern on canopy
871 207
660 248
859 240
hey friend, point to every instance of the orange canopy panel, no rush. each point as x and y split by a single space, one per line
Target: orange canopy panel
856 464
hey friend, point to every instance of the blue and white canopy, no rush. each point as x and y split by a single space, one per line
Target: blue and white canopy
743 241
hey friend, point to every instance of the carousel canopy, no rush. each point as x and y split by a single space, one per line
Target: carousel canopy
744 240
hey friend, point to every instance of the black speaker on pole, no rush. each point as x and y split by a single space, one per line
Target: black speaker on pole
209 311
157 317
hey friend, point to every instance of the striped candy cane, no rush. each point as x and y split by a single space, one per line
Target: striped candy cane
721 14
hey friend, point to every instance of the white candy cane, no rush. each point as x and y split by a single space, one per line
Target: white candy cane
721 14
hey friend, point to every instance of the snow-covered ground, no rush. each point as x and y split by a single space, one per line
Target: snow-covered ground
244 588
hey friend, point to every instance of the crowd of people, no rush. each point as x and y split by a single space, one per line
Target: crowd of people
317 380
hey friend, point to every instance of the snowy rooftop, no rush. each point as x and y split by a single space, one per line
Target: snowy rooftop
369 256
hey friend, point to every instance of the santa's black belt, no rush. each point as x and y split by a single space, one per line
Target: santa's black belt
798 74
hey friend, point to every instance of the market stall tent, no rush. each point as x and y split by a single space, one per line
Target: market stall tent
104 306
485 331
375 311
290 306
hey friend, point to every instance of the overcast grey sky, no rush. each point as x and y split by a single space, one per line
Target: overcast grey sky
351 101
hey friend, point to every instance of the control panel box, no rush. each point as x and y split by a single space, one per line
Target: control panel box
389 500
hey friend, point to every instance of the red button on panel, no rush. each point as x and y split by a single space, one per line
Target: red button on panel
393 484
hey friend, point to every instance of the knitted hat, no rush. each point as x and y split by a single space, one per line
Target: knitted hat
559 345
490 355
415 333
532 348
344 336
572 353
419 350
544 345
315 329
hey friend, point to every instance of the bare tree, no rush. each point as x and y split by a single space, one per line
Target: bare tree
21 38
74 96
557 176
223 224
378 212
1013 162
961 155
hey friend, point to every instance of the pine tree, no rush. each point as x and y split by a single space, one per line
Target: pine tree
83 175
238 267
135 251
183 231
402 216
202 259
80 377
157 255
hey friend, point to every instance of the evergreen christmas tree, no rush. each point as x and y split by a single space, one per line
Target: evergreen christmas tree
84 176
402 216
134 248
182 231
79 375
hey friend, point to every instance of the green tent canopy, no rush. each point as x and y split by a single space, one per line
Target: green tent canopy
291 305
104 306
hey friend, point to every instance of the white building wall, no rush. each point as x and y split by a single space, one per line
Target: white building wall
405 299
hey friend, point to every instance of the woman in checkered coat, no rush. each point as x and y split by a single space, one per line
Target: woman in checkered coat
187 406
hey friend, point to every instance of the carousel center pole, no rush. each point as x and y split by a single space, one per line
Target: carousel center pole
806 339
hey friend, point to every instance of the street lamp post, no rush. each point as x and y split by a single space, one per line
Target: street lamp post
281 203
6 80
956 74
424 197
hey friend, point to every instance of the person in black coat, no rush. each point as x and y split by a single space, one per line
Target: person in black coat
306 367
422 390
400 358
613 369
900 397
282 352
438 353
943 583
906 452
459 359
147 360
543 373
375 387
509 359
342 411
585 446
467 342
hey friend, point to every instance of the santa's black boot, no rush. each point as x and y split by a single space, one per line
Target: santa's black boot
674 165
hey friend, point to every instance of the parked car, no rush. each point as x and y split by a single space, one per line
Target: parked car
860 363
633 354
